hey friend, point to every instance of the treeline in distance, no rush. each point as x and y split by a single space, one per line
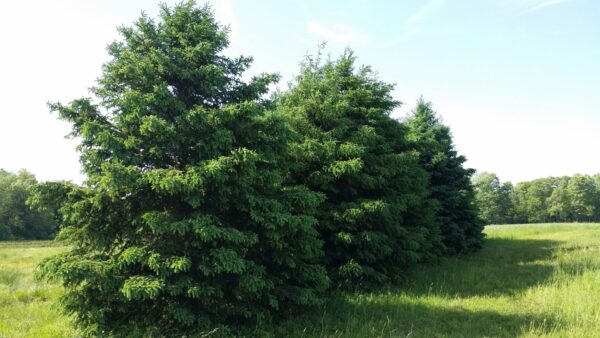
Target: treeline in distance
19 221
550 199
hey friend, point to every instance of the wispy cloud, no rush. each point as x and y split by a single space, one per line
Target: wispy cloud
336 33
534 5
431 6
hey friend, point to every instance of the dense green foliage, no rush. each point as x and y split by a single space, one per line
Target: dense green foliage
377 219
551 199
493 198
209 206
17 219
449 182
185 222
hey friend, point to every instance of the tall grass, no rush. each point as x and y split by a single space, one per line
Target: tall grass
27 307
538 280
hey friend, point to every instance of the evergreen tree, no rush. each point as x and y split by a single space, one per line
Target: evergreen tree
449 182
377 219
184 223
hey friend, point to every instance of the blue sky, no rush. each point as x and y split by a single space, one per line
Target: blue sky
518 81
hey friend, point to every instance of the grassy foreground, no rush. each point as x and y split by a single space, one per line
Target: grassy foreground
529 281
26 307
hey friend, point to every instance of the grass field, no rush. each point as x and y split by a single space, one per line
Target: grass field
529 281
26 307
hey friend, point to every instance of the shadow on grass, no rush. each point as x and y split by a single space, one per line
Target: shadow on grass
502 267
361 317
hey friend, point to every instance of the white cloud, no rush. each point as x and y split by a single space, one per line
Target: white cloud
336 33
226 16
431 6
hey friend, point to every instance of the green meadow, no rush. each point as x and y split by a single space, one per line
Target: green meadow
28 308
540 280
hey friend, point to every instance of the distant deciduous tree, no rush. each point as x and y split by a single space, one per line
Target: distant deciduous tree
493 198
17 219
559 202
582 194
556 199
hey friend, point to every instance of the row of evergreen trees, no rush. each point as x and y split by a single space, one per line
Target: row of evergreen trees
208 204
551 199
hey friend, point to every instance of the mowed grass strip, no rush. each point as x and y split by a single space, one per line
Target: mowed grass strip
27 307
539 280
